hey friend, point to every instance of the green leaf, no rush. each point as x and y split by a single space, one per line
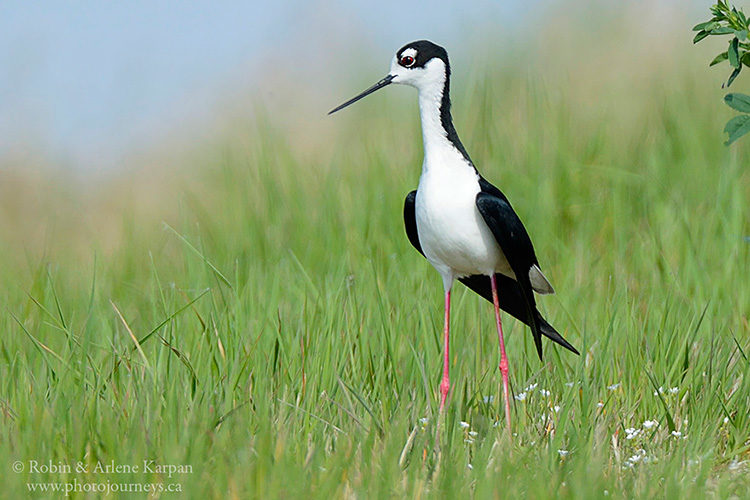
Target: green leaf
741 35
742 17
737 127
732 77
701 26
740 102
724 30
711 25
700 36
721 57
746 59
736 123
733 52
667 414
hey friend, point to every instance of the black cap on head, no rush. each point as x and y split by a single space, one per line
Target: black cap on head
425 51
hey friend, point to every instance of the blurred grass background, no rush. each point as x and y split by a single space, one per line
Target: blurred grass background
289 334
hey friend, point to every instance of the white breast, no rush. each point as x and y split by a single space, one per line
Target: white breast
452 232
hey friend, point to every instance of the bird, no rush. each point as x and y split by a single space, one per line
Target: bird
461 223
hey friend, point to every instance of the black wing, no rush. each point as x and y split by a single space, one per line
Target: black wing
410 221
516 245
510 294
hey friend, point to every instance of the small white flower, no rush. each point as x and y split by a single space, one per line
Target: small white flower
613 386
473 434
464 425
676 434
520 396
631 432
497 422
471 467
531 387
659 391
469 441
606 493
556 408
544 392
648 424
735 465
674 390
489 399
562 453
424 420
639 455
600 405
726 420
569 384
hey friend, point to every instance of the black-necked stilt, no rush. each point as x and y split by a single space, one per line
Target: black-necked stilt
461 223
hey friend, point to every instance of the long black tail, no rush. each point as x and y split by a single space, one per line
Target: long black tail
512 301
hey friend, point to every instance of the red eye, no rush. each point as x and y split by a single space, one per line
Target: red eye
407 61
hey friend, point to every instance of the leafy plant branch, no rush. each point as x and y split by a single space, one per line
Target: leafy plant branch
728 20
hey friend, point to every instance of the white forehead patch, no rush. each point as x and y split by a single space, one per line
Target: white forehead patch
409 52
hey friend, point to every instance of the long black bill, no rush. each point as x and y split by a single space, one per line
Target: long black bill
382 83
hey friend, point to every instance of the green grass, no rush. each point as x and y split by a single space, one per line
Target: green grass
281 336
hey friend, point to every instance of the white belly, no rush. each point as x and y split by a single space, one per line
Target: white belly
453 234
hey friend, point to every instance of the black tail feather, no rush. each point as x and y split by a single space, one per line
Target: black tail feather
548 331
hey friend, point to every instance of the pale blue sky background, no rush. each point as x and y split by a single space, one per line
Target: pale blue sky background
87 80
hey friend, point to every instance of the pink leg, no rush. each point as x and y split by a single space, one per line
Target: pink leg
445 385
503 357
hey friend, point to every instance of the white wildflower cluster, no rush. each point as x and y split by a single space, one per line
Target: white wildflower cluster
469 434
563 453
521 396
613 387
663 391
650 424
631 432
639 456
737 466
424 421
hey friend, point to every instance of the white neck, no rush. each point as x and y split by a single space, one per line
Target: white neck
437 147
434 136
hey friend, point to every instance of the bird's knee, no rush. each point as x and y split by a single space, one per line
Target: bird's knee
504 366
445 386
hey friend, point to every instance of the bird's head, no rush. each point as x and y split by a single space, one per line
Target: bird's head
421 64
